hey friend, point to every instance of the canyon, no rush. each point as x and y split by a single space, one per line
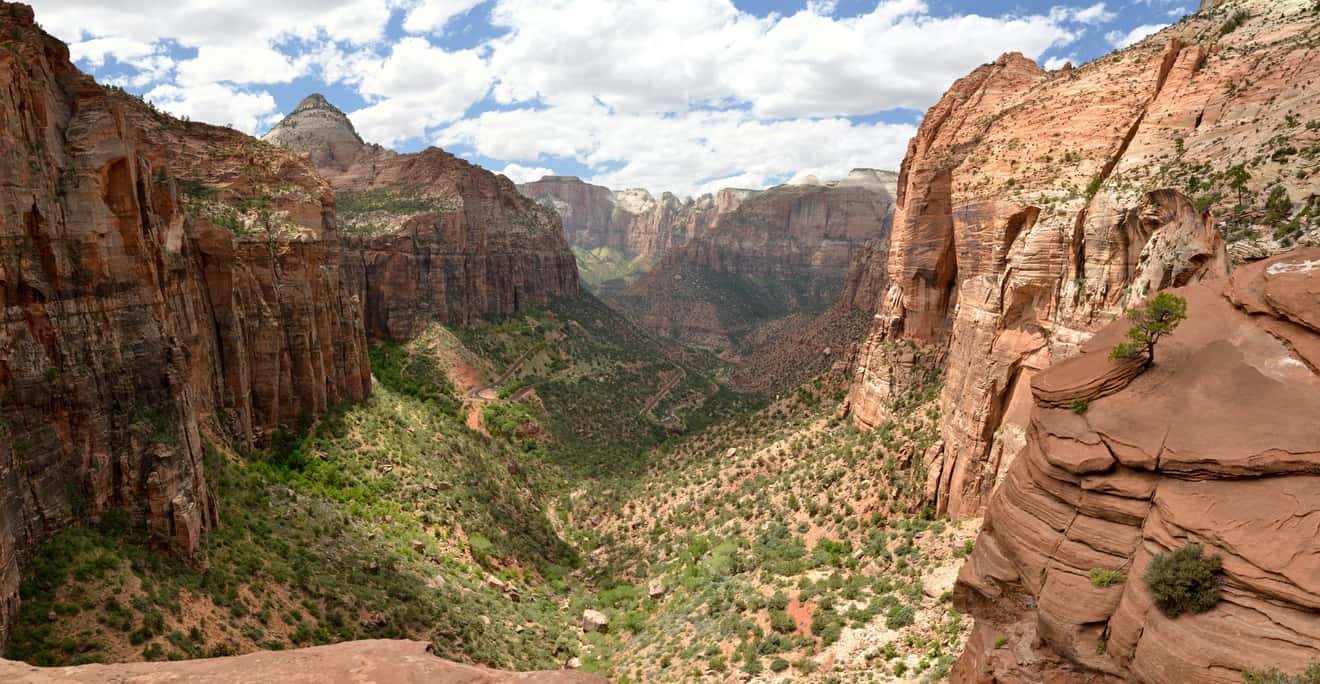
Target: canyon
777 252
310 393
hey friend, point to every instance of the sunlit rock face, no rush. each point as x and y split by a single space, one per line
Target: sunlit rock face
1215 444
429 236
1034 206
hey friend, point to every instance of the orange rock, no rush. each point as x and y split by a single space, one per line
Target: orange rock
1034 207
1225 426
401 662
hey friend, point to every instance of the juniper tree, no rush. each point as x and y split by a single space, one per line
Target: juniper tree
1151 322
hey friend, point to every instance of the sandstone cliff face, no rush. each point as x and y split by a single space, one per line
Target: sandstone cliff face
1216 444
1033 207
133 322
432 237
632 222
779 252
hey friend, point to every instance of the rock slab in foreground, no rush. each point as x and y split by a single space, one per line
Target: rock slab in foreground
354 662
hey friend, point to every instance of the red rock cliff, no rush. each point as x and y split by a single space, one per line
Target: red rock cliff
158 280
437 238
1033 207
1216 444
779 252
632 222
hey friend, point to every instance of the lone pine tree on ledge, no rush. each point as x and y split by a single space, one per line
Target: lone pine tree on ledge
1151 322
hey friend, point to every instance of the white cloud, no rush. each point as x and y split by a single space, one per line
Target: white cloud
1121 40
653 57
684 94
218 24
97 50
217 103
525 174
1095 14
687 153
238 64
417 87
1058 62
430 16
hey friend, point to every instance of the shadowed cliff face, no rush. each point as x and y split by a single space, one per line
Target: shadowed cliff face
1034 207
432 237
1215 444
158 281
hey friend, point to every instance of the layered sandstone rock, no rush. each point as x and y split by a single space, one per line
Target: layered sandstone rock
632 222
432 237
1216 444
779 252
396 661
1035 206
158 280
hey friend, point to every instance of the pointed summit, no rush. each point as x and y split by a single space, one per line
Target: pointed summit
319 130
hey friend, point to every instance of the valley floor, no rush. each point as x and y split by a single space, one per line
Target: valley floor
503 480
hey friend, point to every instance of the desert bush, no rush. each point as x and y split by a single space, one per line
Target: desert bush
1185 581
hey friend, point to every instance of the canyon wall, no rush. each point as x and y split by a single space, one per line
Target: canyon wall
632 222
1034 207
141 309
163 283
1216 444
432 237
779 252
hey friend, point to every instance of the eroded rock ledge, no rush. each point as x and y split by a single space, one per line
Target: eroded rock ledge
1219 443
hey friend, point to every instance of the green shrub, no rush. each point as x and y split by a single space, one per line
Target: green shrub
1311 675
1080 406
1184 581
899 617
778 665
1234 22
1104 577
782 622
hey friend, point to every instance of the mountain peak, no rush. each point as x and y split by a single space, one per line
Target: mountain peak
319 130
316 101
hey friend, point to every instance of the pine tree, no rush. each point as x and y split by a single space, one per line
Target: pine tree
1151 322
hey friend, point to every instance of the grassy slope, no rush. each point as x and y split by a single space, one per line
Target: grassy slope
608 270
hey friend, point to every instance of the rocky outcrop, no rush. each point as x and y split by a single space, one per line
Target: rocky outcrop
405 662
431 237
1034 206
780 252
318 129
1216 444
158 281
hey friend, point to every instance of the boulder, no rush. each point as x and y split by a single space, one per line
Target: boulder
595 621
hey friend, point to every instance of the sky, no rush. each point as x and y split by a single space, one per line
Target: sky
682 95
